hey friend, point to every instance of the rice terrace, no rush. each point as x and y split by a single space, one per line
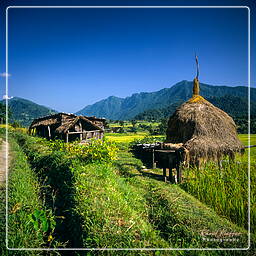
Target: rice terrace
165 171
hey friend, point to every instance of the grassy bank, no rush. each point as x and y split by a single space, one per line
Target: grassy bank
106 204
23 201
28 219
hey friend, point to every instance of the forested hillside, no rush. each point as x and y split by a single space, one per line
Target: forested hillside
167 100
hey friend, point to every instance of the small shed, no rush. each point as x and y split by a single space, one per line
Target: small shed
68 127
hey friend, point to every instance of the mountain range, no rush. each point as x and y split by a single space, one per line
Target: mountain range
146 105
116 108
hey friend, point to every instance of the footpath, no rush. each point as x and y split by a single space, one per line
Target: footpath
3 155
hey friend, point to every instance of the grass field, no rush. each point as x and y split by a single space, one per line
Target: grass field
116 203
128 137
226 190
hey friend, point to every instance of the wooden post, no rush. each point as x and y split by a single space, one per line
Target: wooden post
164 173
170 174
81 136
49 131
67 137
179 173
153 160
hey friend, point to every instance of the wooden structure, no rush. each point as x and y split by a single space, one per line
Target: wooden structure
164 156
197 132
68 127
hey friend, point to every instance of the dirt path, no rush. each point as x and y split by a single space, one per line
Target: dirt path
3 155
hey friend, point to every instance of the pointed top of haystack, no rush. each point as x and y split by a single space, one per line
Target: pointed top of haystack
205 130
196 88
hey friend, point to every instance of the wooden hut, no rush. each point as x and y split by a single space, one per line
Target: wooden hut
68 127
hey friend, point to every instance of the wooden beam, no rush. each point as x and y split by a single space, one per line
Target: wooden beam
82 132
67 137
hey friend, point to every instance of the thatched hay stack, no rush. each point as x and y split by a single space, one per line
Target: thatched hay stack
207 132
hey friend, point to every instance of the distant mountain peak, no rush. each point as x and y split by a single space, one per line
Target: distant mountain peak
127 108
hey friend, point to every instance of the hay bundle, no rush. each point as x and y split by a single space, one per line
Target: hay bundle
205 130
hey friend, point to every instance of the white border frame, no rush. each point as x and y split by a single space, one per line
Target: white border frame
131 249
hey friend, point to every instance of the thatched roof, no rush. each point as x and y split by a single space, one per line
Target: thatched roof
70 123
50 120
65 121
205 130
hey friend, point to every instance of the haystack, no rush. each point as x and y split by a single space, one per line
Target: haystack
207 132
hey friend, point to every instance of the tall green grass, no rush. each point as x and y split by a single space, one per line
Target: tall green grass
23 201
226 189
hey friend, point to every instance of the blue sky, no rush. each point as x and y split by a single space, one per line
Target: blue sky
69 58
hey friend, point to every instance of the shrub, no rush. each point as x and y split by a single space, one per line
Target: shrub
95 150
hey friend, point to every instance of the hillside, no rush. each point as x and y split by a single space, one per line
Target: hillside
146 106
24 111
235 106
127 108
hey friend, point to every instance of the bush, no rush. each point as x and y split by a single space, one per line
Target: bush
96 150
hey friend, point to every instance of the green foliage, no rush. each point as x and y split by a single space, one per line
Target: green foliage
3 113
160 129
95 150
233 105
134 122
242 124
116 203
41 222
16 124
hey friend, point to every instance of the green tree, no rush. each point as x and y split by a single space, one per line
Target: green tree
161 129
3 113
16 124
134 122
